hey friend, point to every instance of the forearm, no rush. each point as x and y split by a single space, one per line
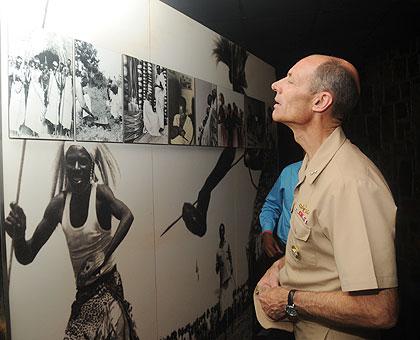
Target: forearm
121 232
375 310
23 251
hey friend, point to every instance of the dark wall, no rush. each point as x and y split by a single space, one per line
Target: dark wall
386 128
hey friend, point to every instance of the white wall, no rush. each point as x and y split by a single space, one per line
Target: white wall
159 274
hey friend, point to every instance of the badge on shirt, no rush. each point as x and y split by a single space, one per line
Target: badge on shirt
302 212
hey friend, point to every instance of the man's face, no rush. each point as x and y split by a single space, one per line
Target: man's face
78 168
293 96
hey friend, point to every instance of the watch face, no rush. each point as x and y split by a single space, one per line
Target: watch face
291 311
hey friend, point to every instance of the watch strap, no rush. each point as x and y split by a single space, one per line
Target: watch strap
290 297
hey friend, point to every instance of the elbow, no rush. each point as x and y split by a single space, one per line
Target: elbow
24 260
391 317
386 317
130 218
387 320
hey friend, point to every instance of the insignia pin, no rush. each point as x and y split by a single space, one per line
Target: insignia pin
295 252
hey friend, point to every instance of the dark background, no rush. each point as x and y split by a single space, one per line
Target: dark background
382 39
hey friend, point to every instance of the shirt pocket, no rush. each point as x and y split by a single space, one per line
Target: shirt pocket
300 244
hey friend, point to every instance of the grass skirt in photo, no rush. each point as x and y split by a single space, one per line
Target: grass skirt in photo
100 311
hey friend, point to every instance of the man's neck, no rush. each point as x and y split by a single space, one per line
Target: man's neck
311 137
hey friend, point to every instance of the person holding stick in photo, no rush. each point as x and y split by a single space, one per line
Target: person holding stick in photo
84 206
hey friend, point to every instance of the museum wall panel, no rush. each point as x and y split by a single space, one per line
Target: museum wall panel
170 280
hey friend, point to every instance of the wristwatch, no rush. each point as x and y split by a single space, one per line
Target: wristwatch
291 311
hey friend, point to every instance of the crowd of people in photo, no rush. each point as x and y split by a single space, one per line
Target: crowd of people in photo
210 325
230 128
40 96
84 109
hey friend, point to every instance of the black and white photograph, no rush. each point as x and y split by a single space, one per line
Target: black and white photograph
206 113
145 102
187 280
40 95
85 227
99 94
230 112
181 108
84 204
255 122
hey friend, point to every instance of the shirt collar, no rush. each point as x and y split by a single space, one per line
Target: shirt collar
312 168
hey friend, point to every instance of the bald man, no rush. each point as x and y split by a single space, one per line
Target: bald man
338 277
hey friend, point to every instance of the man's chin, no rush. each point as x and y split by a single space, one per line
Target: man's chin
278 117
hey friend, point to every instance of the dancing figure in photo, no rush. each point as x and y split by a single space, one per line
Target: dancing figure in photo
84 206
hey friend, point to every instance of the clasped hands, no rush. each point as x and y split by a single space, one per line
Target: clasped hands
272 296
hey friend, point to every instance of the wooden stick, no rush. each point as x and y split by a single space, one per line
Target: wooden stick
22 159
174 222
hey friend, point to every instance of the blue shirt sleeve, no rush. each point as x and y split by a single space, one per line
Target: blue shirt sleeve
271 210
276 209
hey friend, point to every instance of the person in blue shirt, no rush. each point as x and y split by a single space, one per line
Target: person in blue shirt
276 211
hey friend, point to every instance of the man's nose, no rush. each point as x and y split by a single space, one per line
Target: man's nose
276 86
77 166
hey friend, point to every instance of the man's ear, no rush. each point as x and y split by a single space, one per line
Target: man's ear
322 101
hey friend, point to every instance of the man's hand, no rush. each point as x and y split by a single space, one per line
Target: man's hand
90 269
273 302
271 276
15 223
270 245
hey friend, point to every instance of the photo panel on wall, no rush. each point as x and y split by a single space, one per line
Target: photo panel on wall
113 199
145 102
230 112
181 108
40 85
98 93
205 113
255 122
